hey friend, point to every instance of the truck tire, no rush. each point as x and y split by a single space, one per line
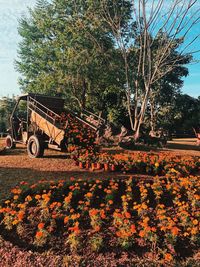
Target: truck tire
9 142
35 146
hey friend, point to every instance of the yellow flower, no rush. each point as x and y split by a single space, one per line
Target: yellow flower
15 222
157 164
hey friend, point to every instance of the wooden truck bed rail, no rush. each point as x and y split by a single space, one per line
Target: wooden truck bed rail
45 120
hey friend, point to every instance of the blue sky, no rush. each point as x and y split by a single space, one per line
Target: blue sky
10 12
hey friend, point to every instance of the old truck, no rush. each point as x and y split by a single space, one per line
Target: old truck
39 128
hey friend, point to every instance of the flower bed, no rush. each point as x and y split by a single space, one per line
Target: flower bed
77 135
155 164
159 218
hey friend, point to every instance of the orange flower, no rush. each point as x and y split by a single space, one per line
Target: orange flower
40 225
12 212
97 228
28 198
16 191
133 229
93 212
142 233
75 216
110 202
175 230
54 216
39 234
168 257
194 231
20 215
68 198
118 233
66 219
117 214
75 229
195 222
102 214
89 195
127 215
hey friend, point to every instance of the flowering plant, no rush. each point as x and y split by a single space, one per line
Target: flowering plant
161 215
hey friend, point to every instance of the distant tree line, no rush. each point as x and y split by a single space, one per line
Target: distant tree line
178 117
6 107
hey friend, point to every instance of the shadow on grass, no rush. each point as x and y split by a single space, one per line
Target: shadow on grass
15 151
143 148
59 156
183 147
10 177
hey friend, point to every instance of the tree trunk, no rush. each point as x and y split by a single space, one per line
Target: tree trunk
142 113
153 116
83 95
130 116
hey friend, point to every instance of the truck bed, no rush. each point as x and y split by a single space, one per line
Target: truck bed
50 129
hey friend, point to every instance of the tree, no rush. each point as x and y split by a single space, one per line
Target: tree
163 92
66 51
186 113
6 107
152 23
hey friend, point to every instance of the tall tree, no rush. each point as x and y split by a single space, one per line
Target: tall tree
166 24
66 50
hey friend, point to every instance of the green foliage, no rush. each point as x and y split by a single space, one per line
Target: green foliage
6 107
187 113
65 50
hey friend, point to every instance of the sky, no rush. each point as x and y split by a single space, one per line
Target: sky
10 13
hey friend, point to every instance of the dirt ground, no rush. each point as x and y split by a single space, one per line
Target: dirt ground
16 166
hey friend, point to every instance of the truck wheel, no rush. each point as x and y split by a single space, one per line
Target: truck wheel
35 147
9 142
